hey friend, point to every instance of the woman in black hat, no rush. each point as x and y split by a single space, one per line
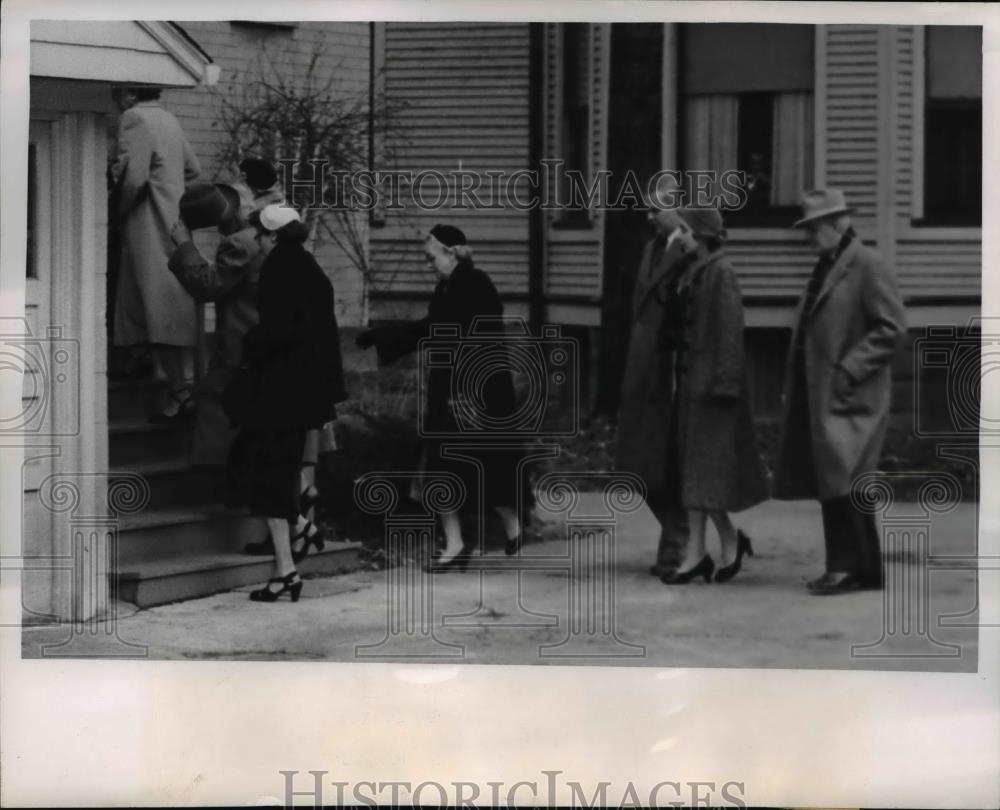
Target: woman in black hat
451 415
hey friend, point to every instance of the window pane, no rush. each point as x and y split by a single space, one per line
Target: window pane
953 162
746 57
954 61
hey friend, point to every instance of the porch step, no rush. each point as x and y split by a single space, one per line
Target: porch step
137 440
163 536
133 399
158 582
174 483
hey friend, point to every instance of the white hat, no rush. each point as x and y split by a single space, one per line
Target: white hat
276 216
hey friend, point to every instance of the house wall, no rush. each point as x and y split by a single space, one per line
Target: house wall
462 94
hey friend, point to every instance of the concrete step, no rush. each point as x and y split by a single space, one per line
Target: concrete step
173 482
165 535
136 440
194 576
133 399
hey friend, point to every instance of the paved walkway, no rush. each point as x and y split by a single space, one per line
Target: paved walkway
763 618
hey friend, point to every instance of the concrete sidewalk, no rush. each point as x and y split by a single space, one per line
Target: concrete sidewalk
763 618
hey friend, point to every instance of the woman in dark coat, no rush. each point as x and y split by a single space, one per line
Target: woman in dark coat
713 465
453 415
294 352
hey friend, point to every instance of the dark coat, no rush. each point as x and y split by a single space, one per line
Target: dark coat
854 328
647 384
457 301
295 348
719 464
231 283
721 468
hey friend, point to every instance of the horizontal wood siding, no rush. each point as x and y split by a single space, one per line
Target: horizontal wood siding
462 92
851 119
575 259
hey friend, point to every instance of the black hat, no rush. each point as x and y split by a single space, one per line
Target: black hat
448 235
206 205
259 173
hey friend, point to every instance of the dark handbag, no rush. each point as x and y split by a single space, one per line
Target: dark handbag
240 394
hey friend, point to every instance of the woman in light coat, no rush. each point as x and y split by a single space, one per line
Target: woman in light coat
153 164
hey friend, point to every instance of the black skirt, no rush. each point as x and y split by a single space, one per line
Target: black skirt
263 471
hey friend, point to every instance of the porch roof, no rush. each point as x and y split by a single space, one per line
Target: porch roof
134 52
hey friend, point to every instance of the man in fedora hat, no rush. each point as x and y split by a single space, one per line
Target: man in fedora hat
231 283
838 386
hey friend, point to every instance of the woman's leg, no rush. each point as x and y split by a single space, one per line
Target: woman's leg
696 539
511 524
452 535
309 458
283 563
727 536
173 360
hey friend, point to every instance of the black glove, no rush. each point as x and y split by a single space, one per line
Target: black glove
366 339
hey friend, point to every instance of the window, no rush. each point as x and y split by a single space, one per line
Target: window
746 94
574 126
953 126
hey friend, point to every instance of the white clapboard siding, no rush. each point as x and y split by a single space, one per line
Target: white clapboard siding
403 271
575 268
564 269
851 114
464 99
771 268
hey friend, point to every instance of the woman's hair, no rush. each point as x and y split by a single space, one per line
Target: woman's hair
462 252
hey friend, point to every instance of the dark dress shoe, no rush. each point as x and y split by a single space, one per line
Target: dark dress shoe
704 569
660 570
832 584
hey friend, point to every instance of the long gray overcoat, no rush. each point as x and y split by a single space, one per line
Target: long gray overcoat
854 327
153 164
720 467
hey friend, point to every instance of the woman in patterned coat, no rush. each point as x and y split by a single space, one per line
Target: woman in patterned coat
713 465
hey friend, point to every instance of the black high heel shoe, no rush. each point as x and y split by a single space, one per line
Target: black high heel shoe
704 569
514 546
290 584
310 536
727 572
457 563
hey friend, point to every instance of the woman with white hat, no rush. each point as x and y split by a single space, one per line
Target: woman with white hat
294 356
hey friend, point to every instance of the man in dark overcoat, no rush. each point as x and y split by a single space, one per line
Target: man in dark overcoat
836 406
648 384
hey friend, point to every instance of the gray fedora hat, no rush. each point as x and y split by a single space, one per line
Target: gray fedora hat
822 203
